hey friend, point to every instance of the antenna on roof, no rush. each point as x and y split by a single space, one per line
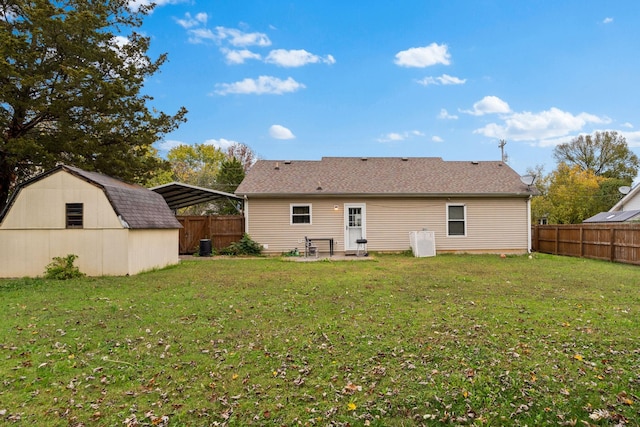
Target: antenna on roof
504 156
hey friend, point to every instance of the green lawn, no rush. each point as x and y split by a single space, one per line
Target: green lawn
460 340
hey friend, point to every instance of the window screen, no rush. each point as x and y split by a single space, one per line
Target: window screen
301 214
456 220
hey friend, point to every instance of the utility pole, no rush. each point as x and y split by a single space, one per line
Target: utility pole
504 155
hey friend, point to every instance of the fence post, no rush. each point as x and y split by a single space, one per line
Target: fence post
612 253
581 241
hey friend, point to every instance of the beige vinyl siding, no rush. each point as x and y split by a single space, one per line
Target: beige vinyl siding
632 204
269 223
492 224
26 253
42 204
150 249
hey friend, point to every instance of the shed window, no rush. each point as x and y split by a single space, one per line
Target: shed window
456 220
74 215
300 214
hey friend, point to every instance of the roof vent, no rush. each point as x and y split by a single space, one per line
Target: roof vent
404 159
319 186
474 162
287 162
277 166
364 159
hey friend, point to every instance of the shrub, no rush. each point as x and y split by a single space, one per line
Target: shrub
62 268
245 246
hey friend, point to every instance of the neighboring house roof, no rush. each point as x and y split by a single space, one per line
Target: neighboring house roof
179 195
619 216
390 176
626 199
136 206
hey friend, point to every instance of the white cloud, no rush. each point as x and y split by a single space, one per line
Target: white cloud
168 144
296 58
399 136
261 85
221 143
436 138
198 35
633 138
489 105
232 36
239 56
137 4
607 20
627 125
444 114
424 56
191 21
543 126
120 41
239 38
280 132
444 79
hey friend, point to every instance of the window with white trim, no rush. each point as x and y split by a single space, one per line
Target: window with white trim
300 214
456 220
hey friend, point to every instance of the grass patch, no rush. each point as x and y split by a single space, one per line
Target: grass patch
463 340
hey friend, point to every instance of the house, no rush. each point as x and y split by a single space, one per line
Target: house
115 228
630 202
480 207
626 210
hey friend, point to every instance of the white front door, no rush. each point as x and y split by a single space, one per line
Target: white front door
354 225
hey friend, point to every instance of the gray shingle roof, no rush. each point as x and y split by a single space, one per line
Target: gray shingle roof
390 176
139 207
619 216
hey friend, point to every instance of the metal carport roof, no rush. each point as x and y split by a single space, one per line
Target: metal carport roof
179 195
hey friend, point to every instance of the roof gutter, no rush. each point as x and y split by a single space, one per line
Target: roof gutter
526 194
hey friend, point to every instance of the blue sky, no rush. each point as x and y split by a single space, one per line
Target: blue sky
303 79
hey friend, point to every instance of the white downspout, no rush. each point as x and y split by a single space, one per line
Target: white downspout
529 224
246 215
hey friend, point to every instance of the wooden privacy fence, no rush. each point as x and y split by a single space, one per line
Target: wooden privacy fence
611 242
222 230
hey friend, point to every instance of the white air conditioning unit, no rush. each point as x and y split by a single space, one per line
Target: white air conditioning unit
423 243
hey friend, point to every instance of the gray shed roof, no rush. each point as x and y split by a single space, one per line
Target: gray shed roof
138 207
382 176
619 216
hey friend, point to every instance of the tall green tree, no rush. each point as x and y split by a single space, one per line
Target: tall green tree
196 164
605 154
71 90
230 175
